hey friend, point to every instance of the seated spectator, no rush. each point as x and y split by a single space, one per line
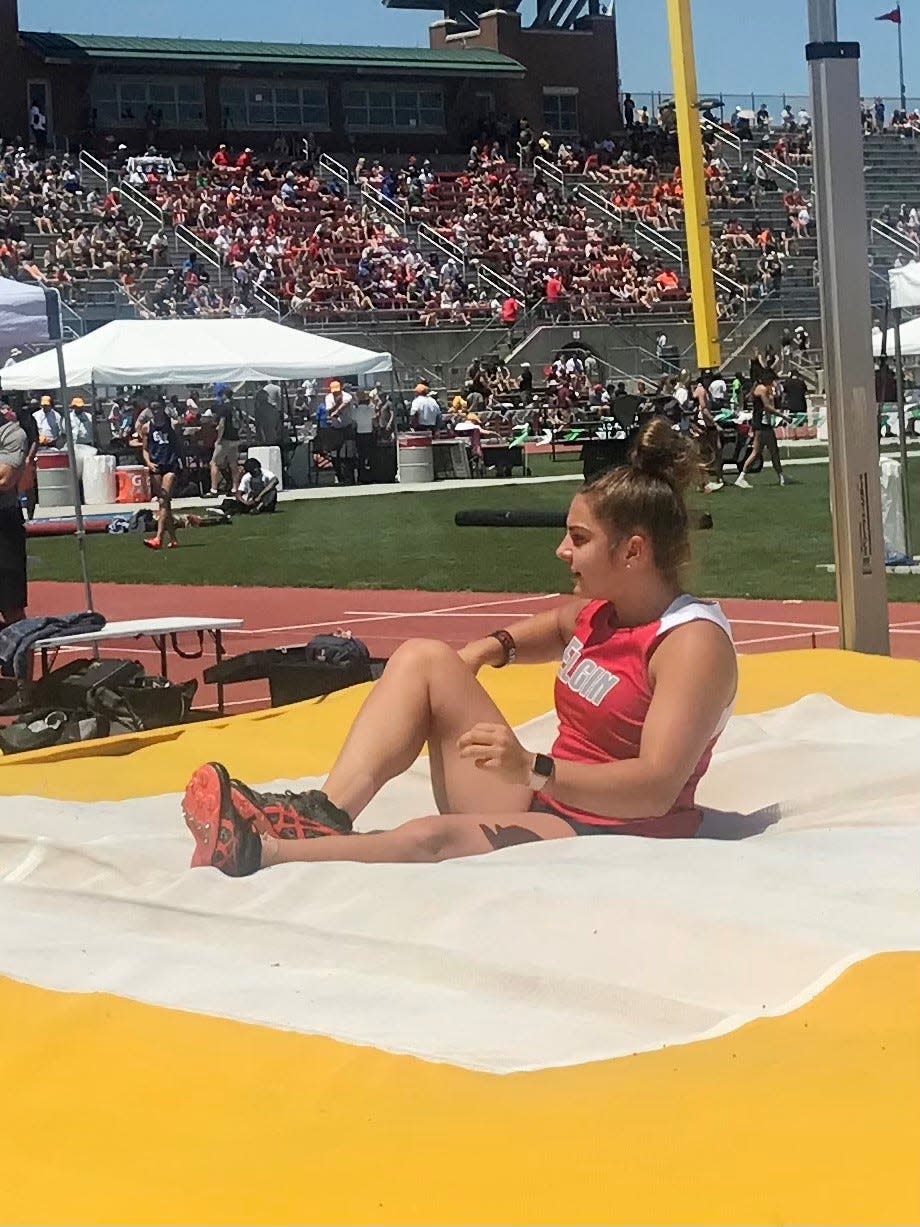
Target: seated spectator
257 492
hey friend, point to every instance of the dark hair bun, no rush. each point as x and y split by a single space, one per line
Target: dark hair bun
663 454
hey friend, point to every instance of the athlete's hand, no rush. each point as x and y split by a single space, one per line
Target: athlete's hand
481 652
494 747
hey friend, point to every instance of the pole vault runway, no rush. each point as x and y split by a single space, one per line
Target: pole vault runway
384 618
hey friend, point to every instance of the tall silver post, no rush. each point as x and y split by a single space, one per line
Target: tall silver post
902 434
852 419
72 453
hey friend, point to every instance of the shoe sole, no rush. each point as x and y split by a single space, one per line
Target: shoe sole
205 802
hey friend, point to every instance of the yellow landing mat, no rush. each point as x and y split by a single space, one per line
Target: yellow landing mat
116 1111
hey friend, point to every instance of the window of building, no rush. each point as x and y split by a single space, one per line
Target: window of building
560 110
295 105
126 102
391 108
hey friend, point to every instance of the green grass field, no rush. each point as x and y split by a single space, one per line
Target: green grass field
766 543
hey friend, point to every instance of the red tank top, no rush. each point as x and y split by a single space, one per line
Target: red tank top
603 695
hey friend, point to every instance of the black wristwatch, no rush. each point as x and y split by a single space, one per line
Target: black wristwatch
542 771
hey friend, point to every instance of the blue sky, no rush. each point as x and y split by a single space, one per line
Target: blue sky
739 45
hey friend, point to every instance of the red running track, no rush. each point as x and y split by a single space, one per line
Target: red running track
275 617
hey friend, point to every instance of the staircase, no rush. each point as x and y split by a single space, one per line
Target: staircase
181 239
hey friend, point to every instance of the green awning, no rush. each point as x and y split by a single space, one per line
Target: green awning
74 48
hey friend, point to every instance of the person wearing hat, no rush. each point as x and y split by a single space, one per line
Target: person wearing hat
81 421
425 411
221 159
337 401
50 424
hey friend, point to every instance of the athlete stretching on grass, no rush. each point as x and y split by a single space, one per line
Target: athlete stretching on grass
646 683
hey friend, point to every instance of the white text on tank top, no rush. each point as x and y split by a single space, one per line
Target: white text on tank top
583 677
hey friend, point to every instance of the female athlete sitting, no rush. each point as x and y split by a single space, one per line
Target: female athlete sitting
645 686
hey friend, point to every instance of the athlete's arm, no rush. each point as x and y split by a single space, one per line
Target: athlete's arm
539 638
694 675
145 435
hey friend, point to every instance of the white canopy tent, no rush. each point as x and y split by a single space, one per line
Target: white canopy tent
28 314
164 352
910 339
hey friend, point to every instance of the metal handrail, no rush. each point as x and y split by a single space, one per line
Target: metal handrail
724 135
198 244
210 253
780 169
729 283
429 235
495 280
142 202
95 165
594 198
550 171
376 200
671 249
895 237
332 167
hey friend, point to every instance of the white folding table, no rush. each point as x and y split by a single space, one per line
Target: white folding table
160 630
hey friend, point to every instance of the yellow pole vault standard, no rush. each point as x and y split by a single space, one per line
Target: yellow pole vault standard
696 209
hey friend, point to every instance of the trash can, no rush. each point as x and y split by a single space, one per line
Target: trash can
54 483
415 458
99 483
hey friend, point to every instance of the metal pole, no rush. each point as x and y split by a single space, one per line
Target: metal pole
901 65
852 419
74 479
902 434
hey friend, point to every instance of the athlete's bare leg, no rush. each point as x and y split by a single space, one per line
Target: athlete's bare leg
426 694
437 837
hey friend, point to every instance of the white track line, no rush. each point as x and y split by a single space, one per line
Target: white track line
376 615
744 643
810 626
433 613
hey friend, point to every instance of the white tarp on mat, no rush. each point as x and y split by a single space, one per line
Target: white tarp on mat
542 955
192 352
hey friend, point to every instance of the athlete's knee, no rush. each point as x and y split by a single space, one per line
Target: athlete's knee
422 652
426 840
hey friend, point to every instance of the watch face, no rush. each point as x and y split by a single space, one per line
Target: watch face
543 766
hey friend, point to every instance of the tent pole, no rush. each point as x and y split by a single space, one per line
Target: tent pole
74 478
902 432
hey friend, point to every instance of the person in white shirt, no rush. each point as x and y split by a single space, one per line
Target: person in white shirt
50 424
337 401
425 410
718 390
39 126
361 414
81 421
257 491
